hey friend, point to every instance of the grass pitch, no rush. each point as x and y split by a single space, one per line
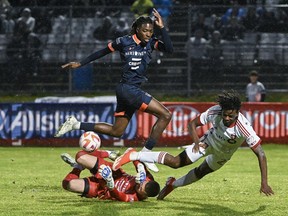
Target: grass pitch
30 184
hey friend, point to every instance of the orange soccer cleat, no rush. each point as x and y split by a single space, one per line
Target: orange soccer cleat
123 159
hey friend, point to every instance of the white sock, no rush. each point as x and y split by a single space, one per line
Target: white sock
76 125
145 149
150 157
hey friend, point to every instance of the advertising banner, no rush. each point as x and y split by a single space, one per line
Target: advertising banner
34 124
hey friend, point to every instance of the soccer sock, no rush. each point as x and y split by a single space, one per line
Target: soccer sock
189 178
149 144
74 174
85 126
100 153
150 157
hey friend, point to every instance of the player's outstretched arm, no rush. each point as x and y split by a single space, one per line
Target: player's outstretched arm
265 188
96 55
71 65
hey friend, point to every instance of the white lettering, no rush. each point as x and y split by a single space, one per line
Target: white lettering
267 124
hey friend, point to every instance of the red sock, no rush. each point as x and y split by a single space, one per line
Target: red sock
74 174
100 154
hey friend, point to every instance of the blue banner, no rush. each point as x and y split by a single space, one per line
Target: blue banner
41 120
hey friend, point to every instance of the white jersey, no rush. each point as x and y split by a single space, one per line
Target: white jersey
227 139
254 91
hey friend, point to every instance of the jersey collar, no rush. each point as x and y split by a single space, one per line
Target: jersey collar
135 38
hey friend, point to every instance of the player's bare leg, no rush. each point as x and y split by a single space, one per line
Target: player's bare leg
164 116
116 130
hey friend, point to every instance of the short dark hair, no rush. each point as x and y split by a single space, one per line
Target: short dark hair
139 21
253 73
229 100
152 188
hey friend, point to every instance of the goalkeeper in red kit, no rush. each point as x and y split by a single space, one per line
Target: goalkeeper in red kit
105 183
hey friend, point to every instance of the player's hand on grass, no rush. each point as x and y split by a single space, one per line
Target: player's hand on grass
71 65
267 190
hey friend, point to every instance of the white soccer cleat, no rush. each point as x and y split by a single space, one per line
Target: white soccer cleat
152 166
71 161
66 126
114 154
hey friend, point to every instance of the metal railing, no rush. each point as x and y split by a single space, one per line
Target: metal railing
72 38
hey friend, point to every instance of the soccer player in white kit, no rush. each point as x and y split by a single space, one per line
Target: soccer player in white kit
229 130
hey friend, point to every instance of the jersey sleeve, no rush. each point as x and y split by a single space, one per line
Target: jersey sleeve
251 138
165 45
120 196
115 45
210 114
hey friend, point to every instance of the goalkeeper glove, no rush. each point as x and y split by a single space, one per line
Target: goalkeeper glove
106 173
141 174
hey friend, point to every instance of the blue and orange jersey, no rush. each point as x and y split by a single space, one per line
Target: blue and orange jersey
135 55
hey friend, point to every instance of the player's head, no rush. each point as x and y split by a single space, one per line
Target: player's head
230 103
148 189
253 75
143 27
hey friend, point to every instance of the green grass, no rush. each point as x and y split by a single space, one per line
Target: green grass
30 184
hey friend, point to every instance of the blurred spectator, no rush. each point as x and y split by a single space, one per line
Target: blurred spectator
15 53
104 7
282 21
164 7
199 23
142 7
214 49
234 31
214 57
216 23
267 22
21 28
105 31
43 23
8 23
4 4
60 7
33 55
255 90
235 11
27 18
24 53
196 47
23 3
122 28
251 20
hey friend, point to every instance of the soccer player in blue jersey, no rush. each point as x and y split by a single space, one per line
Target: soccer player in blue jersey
135 51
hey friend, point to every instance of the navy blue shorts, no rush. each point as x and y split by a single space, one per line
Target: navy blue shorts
129 99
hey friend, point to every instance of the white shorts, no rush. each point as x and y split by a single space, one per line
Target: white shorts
214 159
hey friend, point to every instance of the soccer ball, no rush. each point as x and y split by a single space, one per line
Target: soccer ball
89 141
